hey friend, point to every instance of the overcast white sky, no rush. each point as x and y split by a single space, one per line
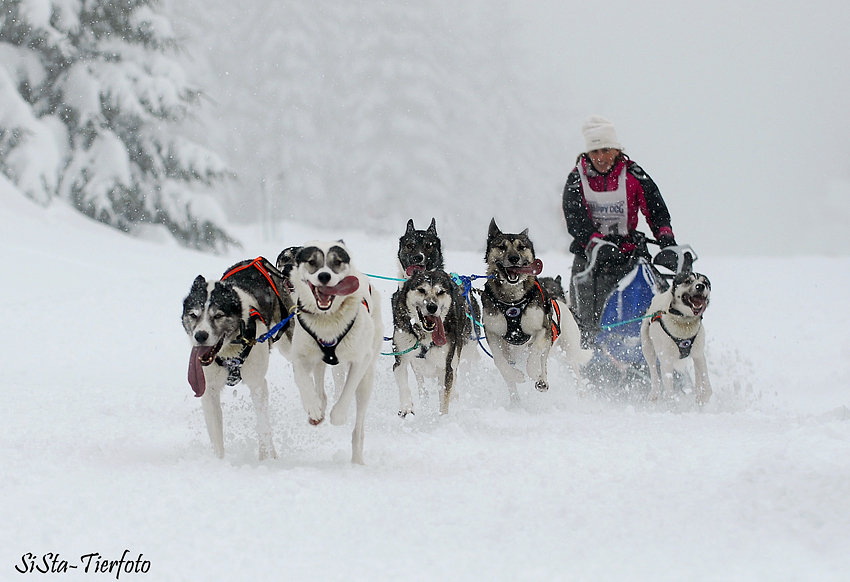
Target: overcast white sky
739 111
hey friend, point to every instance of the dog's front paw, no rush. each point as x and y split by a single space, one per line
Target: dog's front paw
541 386
338 415
315 408
315 414
405 411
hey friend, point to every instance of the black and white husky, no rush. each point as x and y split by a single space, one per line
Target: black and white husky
674 333
223 319
338 323
431 328
419 250
521 321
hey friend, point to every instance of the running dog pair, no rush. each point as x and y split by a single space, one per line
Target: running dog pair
432 318
337 322
522 317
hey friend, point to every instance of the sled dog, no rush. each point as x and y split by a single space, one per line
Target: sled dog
223 319
338 322
553 288
431 326
675 333
521 321
285 263
419 250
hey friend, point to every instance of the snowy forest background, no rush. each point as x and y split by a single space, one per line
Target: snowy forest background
192 115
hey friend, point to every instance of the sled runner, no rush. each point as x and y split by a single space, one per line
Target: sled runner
618 367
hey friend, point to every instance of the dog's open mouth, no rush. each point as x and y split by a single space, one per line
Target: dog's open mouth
206 354
697 303
325 294
514 274
201 356
411 269
434 325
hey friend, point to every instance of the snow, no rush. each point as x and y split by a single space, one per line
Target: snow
103 447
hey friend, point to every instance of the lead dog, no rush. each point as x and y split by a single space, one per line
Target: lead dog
223 319
431 327
674 332
338 322
521 321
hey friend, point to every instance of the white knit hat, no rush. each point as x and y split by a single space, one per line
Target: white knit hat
599 133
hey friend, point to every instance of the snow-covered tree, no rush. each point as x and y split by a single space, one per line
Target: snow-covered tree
90 99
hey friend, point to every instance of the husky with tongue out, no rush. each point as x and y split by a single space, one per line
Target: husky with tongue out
223 319
338 323
431 328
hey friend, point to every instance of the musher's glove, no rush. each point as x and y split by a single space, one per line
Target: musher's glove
617 239
610 255
665 241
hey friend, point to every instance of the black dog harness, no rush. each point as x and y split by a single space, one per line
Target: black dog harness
258 264
684 344
513 313
248 334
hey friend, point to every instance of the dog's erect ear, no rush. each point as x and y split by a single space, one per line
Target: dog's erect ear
410 227
524 233
688 263
433 228
494 231
199 283
558 280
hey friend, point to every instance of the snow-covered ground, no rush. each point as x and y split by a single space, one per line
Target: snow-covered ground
103 446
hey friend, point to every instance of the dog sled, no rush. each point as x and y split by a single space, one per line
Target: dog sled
618 367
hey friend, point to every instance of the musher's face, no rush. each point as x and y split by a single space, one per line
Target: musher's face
603 159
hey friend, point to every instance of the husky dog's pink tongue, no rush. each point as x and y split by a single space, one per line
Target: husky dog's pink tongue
201 356
345 287
325 294
438 336
409 271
